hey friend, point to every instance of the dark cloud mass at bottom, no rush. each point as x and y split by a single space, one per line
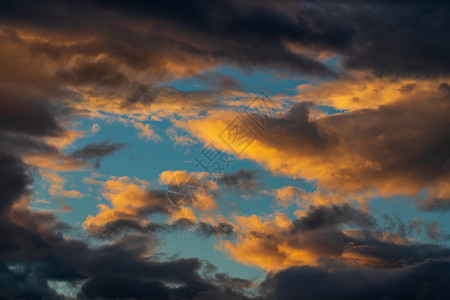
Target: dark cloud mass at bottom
427 280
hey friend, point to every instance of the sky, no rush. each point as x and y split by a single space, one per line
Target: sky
249 150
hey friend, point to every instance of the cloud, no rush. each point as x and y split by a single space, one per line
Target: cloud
288 194
114 60
320 217
220 229
35 252
55 162
217 81
359 151
189 203
57 183
127 262
98 151
13 180
194 189
27 116
145 131
362 90
130 199
100 73
323 236
66 139
133 200
241 180
65 209
211 40
40 152
179 138
119 227
144 102
426 280
415 226
370 36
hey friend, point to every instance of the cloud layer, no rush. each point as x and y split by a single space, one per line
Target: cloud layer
370 117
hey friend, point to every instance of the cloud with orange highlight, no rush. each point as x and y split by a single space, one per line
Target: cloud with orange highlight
359 151
320 236
361 90
129 199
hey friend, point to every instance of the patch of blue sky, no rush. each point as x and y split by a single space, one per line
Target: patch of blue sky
329 110
259 80
251 81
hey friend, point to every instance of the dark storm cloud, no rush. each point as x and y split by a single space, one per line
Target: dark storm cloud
22 284
249 34
143 94
26 116
148 94
401 38
427 280
119 270
20 243
30 258
101 73
376 36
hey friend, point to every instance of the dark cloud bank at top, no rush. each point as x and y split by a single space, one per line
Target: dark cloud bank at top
408 38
